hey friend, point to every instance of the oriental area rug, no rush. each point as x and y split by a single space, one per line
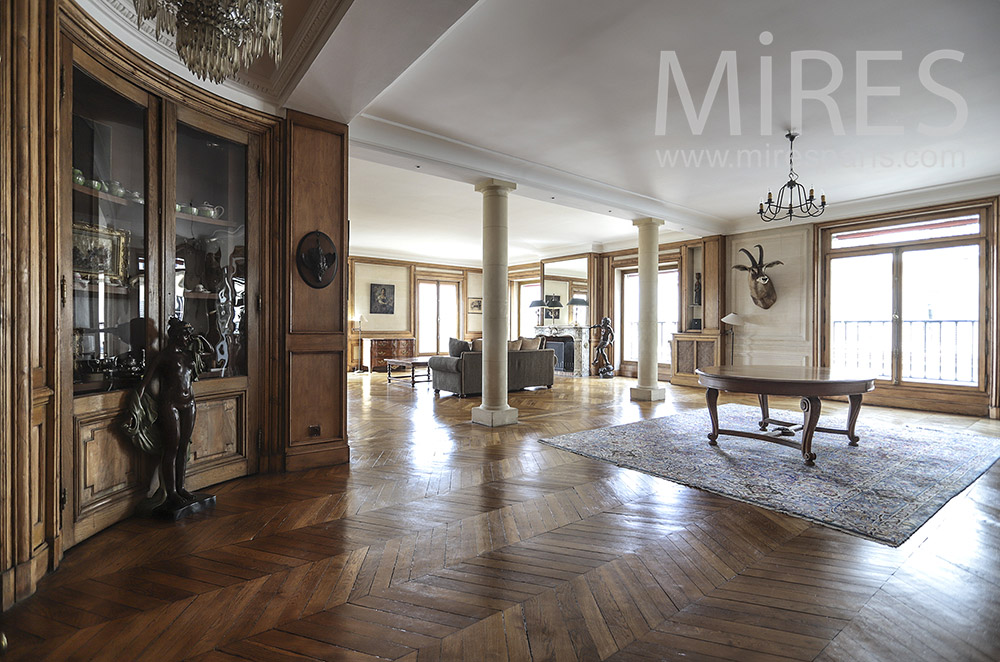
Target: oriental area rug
884 489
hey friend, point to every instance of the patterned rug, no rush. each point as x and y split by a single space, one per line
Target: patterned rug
883 489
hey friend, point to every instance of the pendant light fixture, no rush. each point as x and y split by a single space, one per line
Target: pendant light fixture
216 38
792 201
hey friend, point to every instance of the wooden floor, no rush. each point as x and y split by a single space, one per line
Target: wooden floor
447 540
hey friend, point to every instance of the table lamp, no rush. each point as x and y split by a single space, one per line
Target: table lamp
360 319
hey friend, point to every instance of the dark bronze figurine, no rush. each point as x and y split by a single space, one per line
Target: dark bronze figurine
162 423
605 369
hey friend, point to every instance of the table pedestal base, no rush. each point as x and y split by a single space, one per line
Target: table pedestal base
810 406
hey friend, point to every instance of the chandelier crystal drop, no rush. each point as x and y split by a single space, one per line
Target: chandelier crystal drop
792 201
216 38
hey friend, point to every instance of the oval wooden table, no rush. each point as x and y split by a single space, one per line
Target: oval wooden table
810 384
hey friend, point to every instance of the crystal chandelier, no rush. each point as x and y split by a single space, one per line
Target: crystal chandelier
792 200
216 38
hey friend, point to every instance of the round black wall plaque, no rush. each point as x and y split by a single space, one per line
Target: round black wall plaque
316 258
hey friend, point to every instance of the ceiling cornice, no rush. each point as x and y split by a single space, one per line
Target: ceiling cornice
391 143
269 93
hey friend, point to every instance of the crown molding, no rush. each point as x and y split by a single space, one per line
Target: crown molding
266 94
391 143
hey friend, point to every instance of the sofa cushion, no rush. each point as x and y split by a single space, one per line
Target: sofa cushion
456 347
477 345
514 345
444 363
531 343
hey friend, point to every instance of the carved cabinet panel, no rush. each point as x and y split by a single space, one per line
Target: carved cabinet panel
381 349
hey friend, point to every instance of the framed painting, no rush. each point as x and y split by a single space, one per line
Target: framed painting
100 253
383 299
475 306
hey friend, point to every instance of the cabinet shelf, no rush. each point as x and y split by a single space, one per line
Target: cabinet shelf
200 295
94 287
101 195
205 219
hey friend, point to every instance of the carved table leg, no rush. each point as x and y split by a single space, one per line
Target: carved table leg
765 413
852 418
810 414
712 397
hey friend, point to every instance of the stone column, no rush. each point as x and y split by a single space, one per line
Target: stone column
649 249
494 410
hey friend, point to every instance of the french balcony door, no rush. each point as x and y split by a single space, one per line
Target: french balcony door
437 315
905 300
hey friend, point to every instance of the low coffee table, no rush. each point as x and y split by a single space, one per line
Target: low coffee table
808 383
410 363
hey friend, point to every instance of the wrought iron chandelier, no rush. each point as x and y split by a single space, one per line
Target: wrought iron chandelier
216 38
792 202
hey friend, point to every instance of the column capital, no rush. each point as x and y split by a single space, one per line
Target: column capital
649 220
495 184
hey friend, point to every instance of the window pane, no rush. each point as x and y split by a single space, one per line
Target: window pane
861 313
940 339
529 316
448 315
630 317
211 255
110 327
427 318
668 292
937 229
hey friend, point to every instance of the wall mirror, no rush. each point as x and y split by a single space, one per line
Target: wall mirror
565 293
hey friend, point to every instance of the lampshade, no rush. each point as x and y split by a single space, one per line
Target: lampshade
362 319
553 304
733 319
537 303
577 301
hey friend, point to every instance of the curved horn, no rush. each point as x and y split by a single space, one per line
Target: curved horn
753 262
760 253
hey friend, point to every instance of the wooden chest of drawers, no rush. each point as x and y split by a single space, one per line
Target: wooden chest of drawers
377 350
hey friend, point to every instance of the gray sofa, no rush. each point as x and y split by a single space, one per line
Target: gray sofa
463 375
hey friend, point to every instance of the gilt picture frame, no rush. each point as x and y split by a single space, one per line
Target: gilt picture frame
100 253
383 299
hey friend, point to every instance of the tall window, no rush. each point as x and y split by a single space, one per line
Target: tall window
668 293
437 315
529 316
905 299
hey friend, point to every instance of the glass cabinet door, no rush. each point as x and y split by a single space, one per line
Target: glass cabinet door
109 284
211 246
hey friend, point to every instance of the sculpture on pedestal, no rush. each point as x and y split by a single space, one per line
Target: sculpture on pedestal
161 419
605 369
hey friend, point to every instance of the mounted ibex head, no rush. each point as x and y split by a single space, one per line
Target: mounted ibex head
761 288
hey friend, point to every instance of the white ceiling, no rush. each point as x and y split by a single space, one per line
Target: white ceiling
561 97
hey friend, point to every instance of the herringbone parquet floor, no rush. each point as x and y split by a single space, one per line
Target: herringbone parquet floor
444 540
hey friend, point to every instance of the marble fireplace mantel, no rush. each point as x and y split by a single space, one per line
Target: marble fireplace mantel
581 344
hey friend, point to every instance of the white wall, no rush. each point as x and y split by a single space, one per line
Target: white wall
364 276
782 334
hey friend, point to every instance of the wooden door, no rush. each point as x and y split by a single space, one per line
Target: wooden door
315 335
211 254
108 272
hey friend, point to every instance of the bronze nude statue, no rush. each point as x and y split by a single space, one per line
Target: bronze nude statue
605 369
162 423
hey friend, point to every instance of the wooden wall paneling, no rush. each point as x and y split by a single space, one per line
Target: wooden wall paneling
315 339
713 283
272 283
7 337
28 448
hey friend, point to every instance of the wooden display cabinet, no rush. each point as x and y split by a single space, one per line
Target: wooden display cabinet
130 257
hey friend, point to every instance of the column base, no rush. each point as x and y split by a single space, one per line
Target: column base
648 394
494 418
